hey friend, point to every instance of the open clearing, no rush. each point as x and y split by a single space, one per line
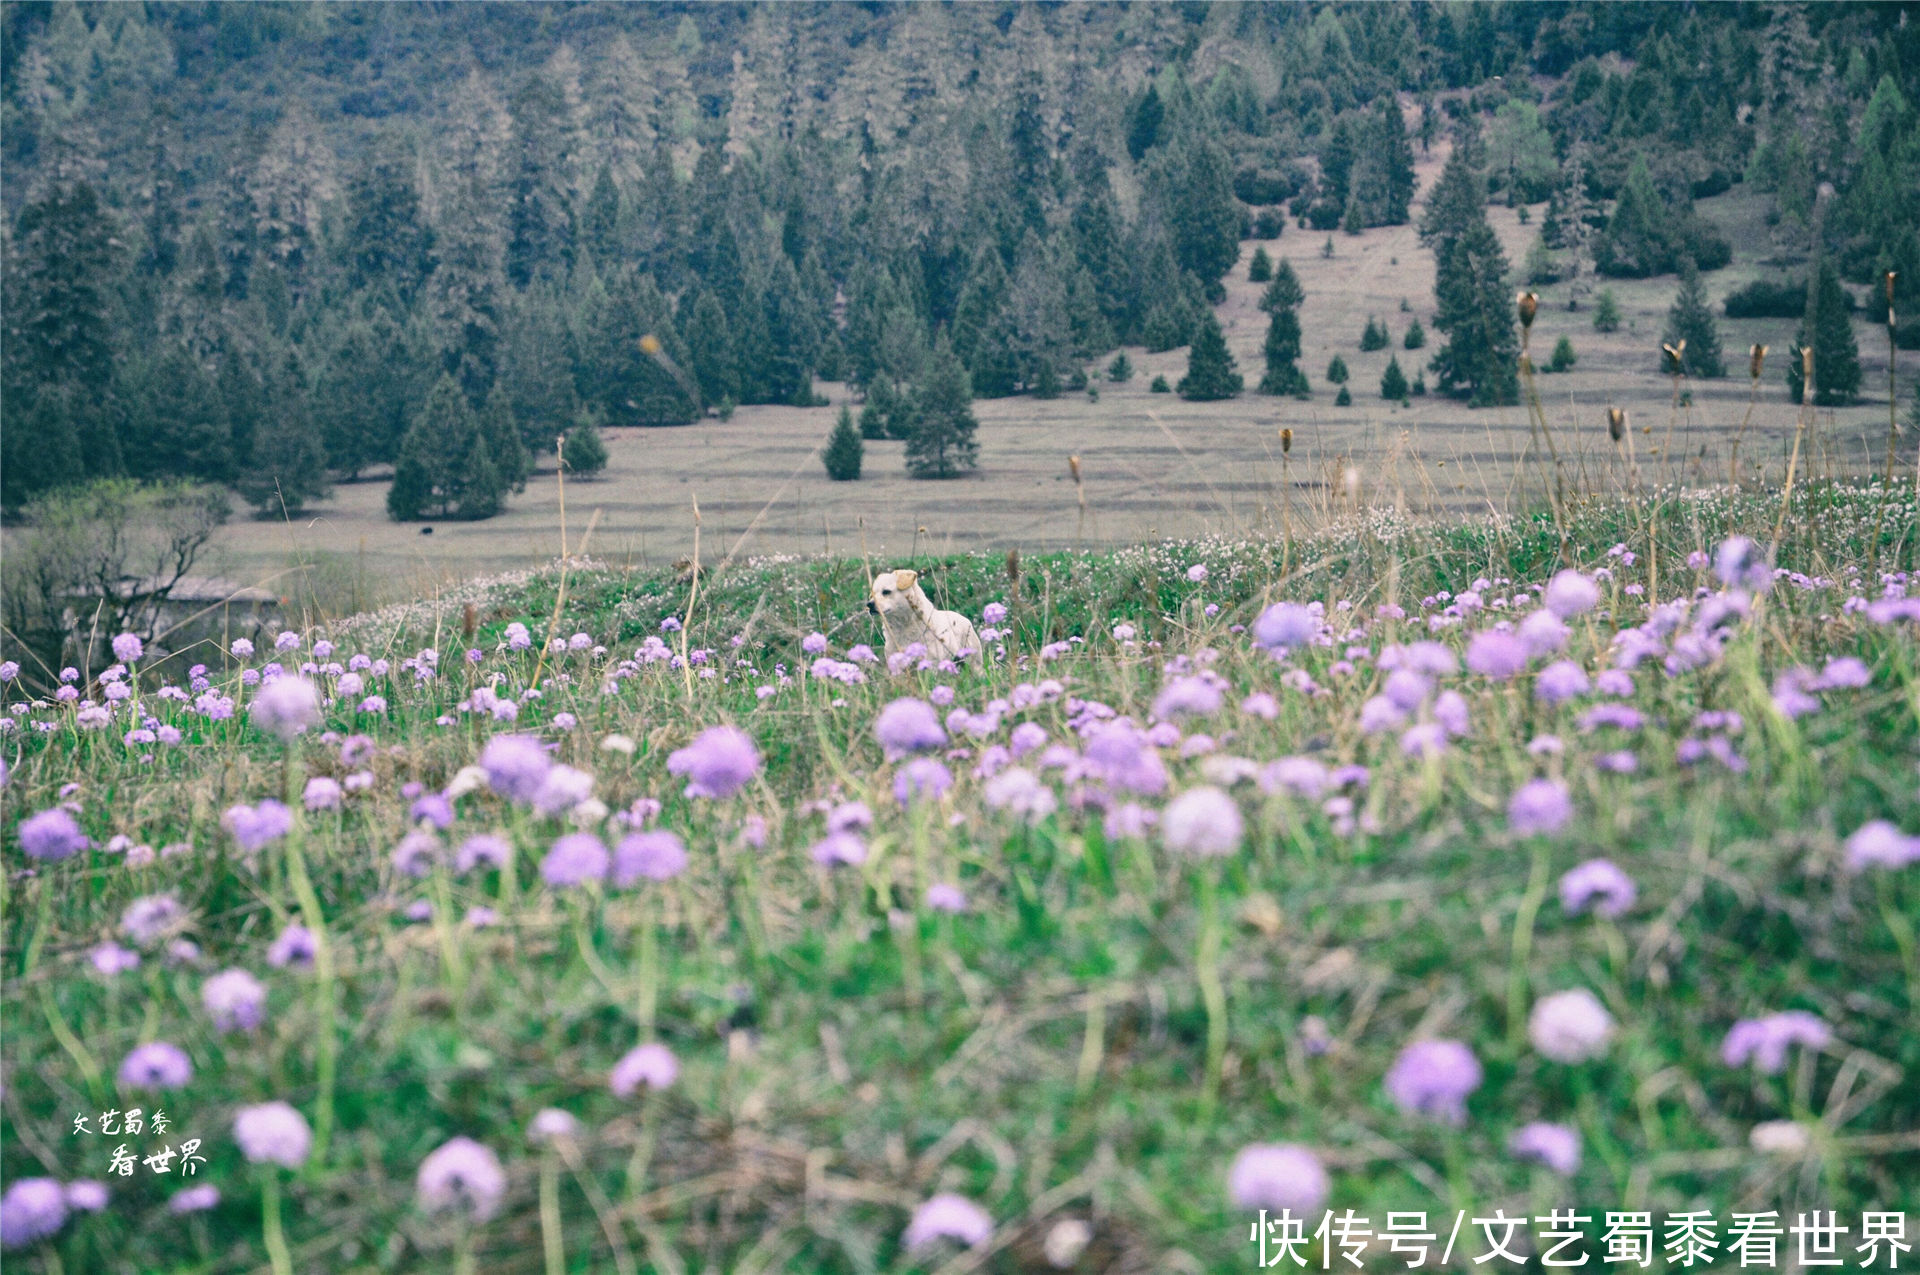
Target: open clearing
1154 465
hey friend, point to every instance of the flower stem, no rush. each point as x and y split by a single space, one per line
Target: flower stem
1523 948
270 1221
1207 968
551 1239
323 994
649 962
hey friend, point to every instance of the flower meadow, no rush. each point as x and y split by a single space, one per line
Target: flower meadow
1405 868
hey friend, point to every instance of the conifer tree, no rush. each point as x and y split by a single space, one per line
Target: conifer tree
600 219
942 445
437 462
387 242
536 380
176 424
288 468
1143 129
1205 213
1393 382
584 453
1691 320
1606 312
981 334
1828 328
1337 371
710 347
506 450
1474 308
1210 367
1260 269
1416 336
540 226
842 454
791 337
1634 243
877 413
1282 301
1453 204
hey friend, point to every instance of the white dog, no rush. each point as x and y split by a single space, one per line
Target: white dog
908 616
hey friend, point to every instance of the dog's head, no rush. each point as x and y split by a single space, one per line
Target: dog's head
891 590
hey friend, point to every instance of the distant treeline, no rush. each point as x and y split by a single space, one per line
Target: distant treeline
280 246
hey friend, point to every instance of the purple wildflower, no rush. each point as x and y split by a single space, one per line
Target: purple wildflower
839 848
433 808
1598 883
194 1199
1543 633
1569 593
416 853
1555 1145
516 766
127 648
1571 1026
652 1065
148 920
234 999
463 1174
1203 822
31 1209
1020 792
1540 808
1187 697
923 778
1560 681
943 897
286 706
111 959
256 827
908 725
1433 1078
718 763
295 946
1739 563
483 848
1880 845
273 1133
950 1217
1123 757
1845 672
650 856
321 793
551 1124
84 1195
561 789
52 835
1765 1041
1497 655
1284 625
1280 1177
849 816
1296 776
156 1065
575 859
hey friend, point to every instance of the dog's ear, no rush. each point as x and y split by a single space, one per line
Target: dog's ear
903 580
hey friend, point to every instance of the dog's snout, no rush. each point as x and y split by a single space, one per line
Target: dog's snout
873 608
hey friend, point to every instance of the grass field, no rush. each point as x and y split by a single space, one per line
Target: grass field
1036 979
1154 465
